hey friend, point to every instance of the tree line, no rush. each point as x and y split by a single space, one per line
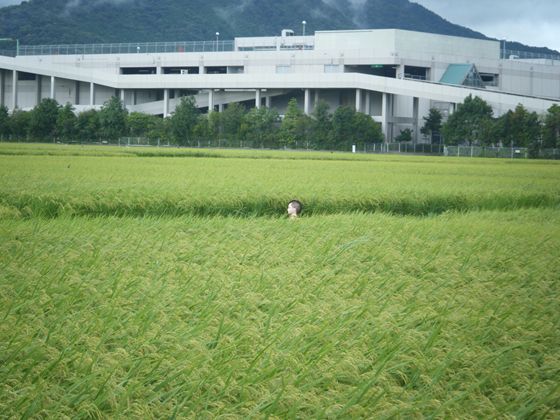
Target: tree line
472 123
235 126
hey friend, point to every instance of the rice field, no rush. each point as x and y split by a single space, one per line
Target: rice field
150 283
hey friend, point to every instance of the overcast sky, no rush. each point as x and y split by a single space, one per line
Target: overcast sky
532 22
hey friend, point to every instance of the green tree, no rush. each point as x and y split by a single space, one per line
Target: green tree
67 123
19 124
88 125
404 136
140 124
42 124
259 127
432 125
184 120
471 123
366 130
4 122
160 130
201 131
292 129
342 132
112 119
321 126
551 128
232 119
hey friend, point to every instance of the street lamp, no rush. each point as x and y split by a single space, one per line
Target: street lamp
12 39
303 22
217 39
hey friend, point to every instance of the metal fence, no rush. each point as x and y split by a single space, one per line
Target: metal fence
8 52
506 54
127 48
500 152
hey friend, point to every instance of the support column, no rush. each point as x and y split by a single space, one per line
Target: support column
2 87
221 107
92 94
415 106
53 81
210 100
358 100
14 89
368 103
39 89
258 98
165 103
122 98
386 115
268 101
77 93
306 102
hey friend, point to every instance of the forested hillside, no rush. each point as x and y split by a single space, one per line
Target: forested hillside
81 21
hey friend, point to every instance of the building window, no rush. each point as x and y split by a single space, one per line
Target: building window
235 69
333 68
283 68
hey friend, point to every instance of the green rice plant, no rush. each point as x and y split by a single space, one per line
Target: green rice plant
50 186
345 315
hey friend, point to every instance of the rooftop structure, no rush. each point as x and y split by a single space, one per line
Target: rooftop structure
395 76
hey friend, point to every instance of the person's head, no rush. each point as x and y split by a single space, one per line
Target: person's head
294 208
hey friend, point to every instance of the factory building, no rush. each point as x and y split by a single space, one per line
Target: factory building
395 76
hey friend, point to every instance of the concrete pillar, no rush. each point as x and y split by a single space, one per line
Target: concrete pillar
221 107
387 115
2 87
165 103
134 97
400 72
368 103
159 70
53 81
122 98
77 93
258 98
92 93
268 101
307 102
14 89
358 100
415 106
210 100
452 108
39 89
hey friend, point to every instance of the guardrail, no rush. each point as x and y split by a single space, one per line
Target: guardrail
127 48
514 54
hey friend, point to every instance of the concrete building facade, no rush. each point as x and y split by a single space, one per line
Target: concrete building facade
395 76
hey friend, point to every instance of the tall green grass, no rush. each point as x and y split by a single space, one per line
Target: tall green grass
327 316
122 186
173 285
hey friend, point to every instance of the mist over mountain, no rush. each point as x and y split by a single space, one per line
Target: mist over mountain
101 21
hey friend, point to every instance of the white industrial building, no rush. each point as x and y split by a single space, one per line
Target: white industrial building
393 75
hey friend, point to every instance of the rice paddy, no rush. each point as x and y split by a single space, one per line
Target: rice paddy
149 283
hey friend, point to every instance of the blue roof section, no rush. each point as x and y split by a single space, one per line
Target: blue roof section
456 74
462 75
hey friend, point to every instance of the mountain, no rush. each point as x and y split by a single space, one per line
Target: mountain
101 21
